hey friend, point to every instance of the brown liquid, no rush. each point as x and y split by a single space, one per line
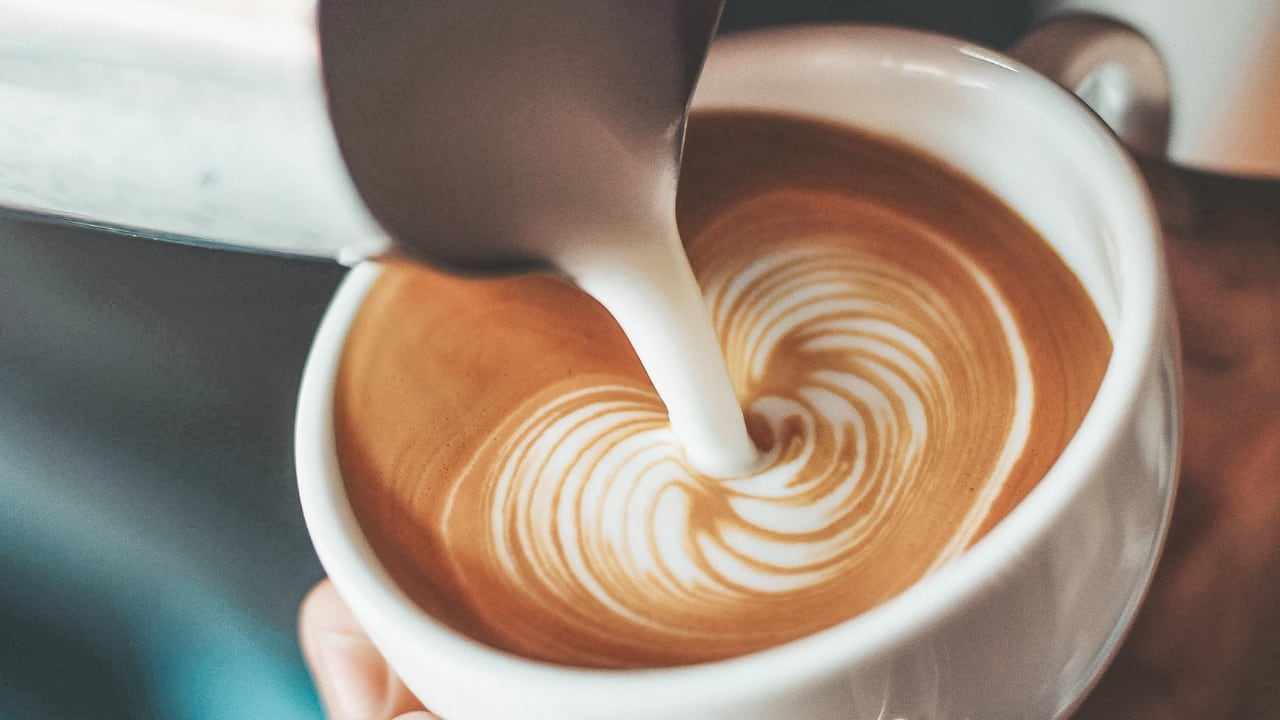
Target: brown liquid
912 356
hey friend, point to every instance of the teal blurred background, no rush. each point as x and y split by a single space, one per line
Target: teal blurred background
152 552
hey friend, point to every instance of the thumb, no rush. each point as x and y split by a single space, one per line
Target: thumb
354 681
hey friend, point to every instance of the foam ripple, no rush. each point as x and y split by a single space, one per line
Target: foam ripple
857 372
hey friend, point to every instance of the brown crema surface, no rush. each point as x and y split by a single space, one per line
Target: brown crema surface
911 355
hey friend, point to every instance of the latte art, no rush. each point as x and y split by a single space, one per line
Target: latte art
877 354
908 374
858 368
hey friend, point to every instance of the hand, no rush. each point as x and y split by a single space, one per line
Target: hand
355 683
1206 643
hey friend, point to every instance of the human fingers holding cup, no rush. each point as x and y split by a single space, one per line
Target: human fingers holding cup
354 681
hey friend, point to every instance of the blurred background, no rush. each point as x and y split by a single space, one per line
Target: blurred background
152 551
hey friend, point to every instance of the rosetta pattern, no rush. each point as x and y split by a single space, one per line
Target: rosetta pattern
857 370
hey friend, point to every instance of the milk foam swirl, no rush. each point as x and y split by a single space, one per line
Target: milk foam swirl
910 354
860 370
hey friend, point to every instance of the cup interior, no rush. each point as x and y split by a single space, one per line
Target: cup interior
998 122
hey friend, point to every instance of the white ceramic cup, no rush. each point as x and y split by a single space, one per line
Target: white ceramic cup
1018 627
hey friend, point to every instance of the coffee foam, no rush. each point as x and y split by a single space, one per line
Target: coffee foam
909 372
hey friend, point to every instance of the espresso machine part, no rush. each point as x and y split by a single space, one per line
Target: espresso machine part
1195 82
275 125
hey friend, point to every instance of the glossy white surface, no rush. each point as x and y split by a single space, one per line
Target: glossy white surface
1019 626
1223 62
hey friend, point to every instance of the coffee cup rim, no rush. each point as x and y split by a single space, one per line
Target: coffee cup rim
359 575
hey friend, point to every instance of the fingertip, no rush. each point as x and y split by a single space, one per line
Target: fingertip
351 676
323 608
354 681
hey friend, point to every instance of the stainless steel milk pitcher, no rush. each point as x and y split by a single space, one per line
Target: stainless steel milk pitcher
194 120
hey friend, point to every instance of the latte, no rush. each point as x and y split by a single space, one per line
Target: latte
910 356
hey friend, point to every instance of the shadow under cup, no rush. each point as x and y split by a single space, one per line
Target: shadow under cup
1021 624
